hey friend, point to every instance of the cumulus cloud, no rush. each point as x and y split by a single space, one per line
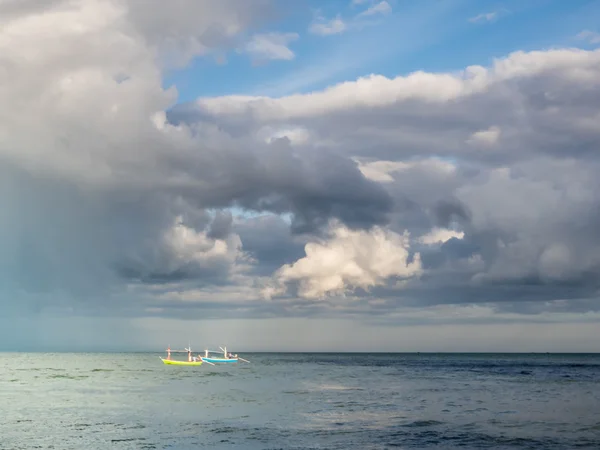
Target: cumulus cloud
477 186
377 91
422 138
186 253
179 30
349 260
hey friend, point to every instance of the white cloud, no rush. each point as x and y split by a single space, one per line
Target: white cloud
440 235
348 260
337 25
271 46
484 17
324 27
485 137
186 245
382 171
382 7
58 67
377 91
592 37
179 30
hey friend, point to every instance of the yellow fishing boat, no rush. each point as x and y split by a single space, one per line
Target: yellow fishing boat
181 363
192 360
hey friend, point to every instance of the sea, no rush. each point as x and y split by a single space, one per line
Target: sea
300 401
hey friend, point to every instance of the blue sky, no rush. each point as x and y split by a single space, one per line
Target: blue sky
404 36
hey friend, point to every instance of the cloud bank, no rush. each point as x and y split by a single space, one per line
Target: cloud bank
392 199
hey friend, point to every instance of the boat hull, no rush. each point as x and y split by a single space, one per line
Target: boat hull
220 360
181 363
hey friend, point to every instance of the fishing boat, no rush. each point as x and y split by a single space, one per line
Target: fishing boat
182 363
227 357
192 360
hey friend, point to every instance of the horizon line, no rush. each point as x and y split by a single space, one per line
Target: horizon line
326 352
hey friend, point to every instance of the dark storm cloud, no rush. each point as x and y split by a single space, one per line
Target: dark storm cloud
314 185
220 227
523 299
447 253
448 210
270 240
136 272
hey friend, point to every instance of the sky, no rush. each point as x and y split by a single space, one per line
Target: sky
349 175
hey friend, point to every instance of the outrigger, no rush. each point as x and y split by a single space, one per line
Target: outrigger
227 357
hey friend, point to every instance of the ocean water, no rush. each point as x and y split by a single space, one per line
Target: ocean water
300 401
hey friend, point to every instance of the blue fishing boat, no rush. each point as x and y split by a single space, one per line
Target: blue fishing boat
226 358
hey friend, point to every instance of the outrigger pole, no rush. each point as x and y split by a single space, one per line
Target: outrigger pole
224 350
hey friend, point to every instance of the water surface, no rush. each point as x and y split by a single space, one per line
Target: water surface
300 401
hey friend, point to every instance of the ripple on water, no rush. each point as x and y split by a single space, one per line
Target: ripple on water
68 377
423 423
